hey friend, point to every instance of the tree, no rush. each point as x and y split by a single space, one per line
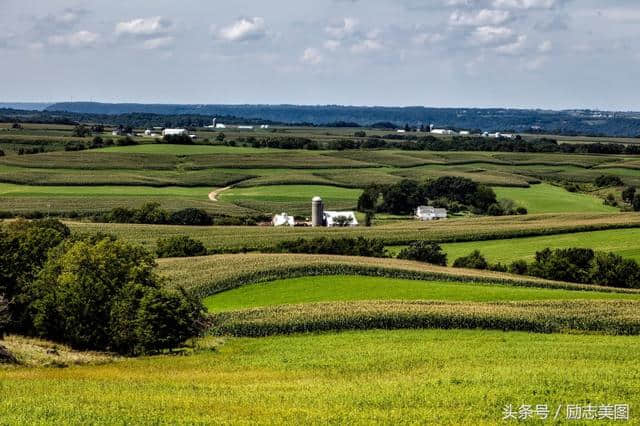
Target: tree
572 264
519 267
628 194
152 214
403 197
636 203
90 295
613 270
220 137
5 316
191 216
608 180
81 131
368 218
424 251
368 200
475 260
180 246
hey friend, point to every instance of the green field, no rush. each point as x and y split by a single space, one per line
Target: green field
11 190
625 242
341 287
152 148
546 198
392 377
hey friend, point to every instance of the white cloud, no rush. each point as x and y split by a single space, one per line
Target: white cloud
158 42
144 27
345 28
332 44
514 48
489 35
481 18
422 39
545 46
366 45
74 40
312 56
244 29
524 4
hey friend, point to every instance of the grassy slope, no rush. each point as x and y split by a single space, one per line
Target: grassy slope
546 198
625 242
409 376
11 190
334 288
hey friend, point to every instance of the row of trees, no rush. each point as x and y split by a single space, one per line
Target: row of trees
91 292
451 192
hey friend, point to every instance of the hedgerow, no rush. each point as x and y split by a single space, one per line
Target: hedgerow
610 317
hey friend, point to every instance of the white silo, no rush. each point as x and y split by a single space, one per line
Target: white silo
317 212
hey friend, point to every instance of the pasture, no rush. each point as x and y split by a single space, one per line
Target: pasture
545 198
404 376
349 288
625 242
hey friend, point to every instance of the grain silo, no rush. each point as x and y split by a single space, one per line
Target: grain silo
317 212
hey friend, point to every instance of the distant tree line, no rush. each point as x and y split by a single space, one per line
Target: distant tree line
450 192
89 291
359 246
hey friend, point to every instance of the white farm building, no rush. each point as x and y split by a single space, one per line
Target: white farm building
332 219
283 219
175 132
430 213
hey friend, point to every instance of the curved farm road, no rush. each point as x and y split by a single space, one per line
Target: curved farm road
213 196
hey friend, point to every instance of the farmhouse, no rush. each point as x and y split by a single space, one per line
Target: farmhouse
430 213
442 132
174 132
283 219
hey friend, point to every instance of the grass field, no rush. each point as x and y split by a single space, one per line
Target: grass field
546 198
344 287
392 377
625 242
11 190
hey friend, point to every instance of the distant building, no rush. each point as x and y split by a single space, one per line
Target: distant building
401 131
430 213
464 133
283 219
175 132
245 127
194 137
443 132
220 126
264 126
332 219
147 132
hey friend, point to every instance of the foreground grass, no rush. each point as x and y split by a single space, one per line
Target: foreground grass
584 316
406 376
345 288
625 242
545 198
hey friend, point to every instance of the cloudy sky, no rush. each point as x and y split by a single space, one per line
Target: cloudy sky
511 53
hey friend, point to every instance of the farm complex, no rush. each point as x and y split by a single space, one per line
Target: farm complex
326 269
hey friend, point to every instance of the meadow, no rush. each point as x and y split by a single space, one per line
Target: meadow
545 198
625 242
404 376
351 288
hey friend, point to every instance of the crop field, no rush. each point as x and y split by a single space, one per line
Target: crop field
346 288
392 234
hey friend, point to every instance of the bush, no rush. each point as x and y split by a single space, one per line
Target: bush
522 211
628 194
424 251
519 267
195 217
572 264
180 246
178 139
608 180
339 246
151 213
1 153
127 141
101 295
636 203
475 260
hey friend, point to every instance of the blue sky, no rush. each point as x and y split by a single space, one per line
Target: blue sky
507 53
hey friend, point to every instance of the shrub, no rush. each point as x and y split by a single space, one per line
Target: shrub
178 139
495 210
613 270
191 216
519 267
152 214
636 203
608 180
522 211
180 246
339 246
628 194
127 141
475 260
572 264
1 153
96 295
424 251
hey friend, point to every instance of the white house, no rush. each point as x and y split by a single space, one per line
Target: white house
464 133
442 132
221 126
430 213
283 219
245 127
331 218
174 132
401 131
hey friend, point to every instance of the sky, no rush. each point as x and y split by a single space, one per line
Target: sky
555 54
